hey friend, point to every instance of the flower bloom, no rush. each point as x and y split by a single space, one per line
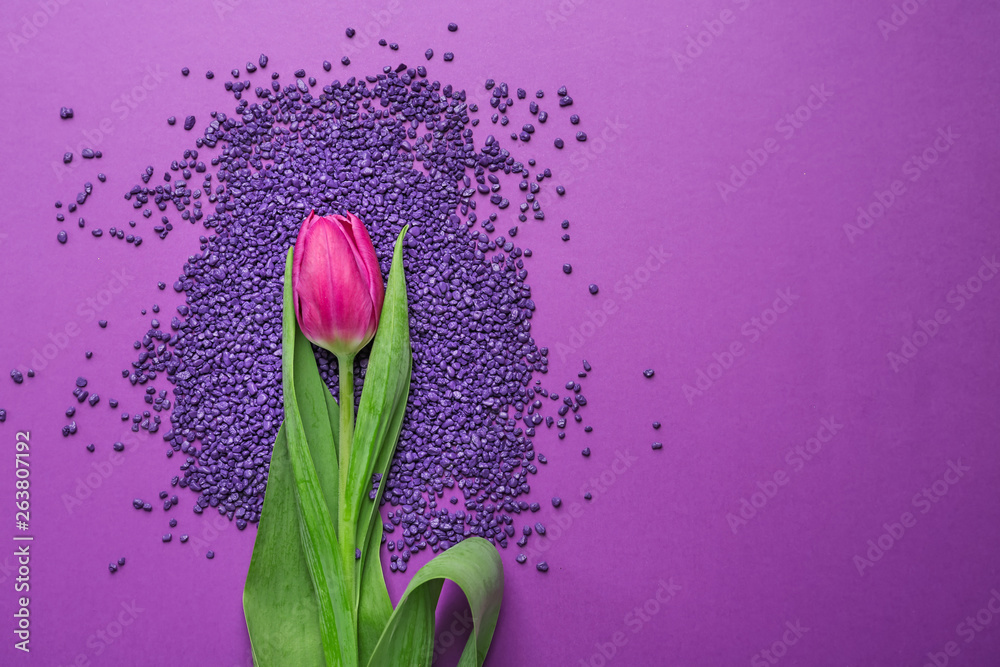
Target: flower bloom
337 283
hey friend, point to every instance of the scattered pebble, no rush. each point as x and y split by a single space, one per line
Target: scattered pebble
466 378
65 113
593 288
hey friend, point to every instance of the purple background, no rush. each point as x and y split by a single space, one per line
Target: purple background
672 131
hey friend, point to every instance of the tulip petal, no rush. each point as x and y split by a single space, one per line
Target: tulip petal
363 243
337 282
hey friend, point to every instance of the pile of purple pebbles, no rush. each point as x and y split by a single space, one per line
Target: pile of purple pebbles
395 149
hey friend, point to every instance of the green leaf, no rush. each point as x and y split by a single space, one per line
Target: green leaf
475 566
375 607
338 629
380 418
278 599
320 418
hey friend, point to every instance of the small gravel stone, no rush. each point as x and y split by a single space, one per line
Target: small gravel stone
648 373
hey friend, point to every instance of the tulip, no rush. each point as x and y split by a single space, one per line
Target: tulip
338 294
337 283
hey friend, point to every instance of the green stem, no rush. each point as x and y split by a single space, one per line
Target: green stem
345 366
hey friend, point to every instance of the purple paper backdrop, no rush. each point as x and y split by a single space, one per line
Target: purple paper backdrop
716 205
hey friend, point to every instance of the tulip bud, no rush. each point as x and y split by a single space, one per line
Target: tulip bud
337 283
